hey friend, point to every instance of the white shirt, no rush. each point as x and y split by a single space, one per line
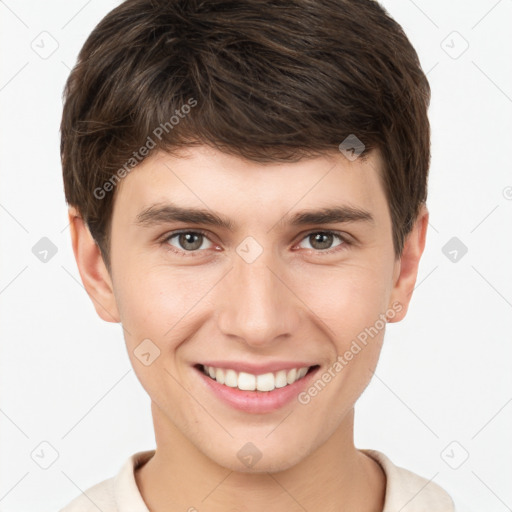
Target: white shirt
405 491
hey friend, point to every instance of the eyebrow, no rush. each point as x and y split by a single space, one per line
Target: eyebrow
166 213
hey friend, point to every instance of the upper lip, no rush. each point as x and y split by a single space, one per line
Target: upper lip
257 369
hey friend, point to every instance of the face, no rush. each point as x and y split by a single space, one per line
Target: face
227 268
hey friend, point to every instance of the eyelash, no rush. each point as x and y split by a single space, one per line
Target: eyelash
343 246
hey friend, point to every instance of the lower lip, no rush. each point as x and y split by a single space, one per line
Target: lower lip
257 402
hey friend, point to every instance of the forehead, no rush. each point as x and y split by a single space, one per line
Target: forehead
205 178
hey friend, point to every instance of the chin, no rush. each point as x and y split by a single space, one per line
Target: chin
257 457
265 465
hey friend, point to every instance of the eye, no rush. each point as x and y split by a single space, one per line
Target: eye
323 240
187 241
192 242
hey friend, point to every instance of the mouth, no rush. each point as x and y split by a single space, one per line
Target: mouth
255 390
264 382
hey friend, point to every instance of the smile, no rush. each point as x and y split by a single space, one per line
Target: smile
255 388
250 382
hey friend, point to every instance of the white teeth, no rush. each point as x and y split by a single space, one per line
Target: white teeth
219 375
231 379
246 381
249 382
265 382
302 373
291 377
281 379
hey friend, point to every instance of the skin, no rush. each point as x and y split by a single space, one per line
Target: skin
294 302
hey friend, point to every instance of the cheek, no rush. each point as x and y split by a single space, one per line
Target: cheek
154 300
347 298
156 312
166 307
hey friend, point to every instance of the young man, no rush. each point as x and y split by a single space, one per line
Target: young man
247 184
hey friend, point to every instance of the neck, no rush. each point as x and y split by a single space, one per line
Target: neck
335 477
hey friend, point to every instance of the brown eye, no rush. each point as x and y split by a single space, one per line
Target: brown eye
188 240
323 240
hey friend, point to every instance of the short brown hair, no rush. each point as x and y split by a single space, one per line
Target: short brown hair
272 80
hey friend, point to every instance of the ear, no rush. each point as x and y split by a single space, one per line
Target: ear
406 268
94 273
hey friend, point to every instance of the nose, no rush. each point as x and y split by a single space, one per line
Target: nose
258 305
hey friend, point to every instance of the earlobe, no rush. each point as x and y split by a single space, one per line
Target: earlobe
95 276
407 267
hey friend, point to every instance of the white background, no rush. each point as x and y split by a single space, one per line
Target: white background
444 373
